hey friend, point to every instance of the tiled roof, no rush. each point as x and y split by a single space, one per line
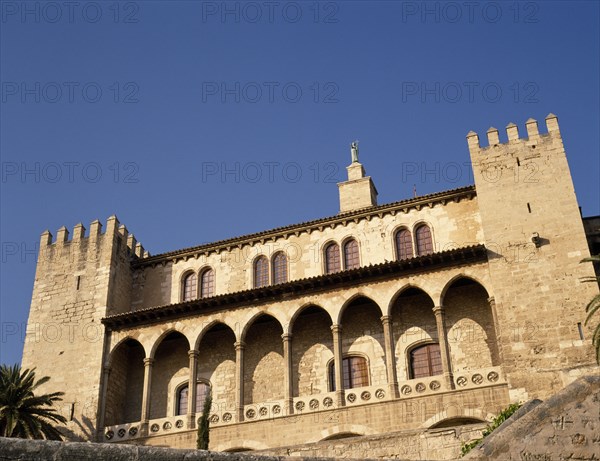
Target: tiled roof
380 210
459 256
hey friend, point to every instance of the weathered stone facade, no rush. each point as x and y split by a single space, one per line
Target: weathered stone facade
486 309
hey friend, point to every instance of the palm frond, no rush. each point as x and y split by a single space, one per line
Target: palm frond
23 413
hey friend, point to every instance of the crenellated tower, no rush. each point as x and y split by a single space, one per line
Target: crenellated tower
535 238
78 281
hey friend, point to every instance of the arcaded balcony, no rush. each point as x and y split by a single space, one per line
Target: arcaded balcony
266 369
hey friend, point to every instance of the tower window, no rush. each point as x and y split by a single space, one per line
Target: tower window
190 286
261 272
332 258
404 246
280 270
207 283
351 256
424 241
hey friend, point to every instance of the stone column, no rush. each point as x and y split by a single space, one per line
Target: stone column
105 377
148 362
288 373
338 365
390 356
492 302
239 379
191 410
440 320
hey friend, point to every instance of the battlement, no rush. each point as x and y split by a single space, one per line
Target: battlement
512 133
113 227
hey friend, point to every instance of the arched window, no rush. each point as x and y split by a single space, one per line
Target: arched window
332 258
424 242
425 361
351 257
355 372
280 271
207 283
404 246
202 390
190 287
261 272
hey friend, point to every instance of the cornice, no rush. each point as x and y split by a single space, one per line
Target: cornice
285 232
296 288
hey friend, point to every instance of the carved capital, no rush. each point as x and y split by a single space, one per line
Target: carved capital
438 310
193 353
336 328
239 345
148 362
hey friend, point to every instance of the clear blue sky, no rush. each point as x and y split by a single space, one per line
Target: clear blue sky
194 122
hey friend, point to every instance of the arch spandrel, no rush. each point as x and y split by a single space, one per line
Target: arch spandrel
256 315
165 331
407 286
289 326
120 342
209 325
479 277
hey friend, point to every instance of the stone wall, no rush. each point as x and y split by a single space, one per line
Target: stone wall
566 426
438 444
524 190
453 224
79 280
43 450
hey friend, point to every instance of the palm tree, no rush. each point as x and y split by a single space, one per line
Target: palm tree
593 307
23 414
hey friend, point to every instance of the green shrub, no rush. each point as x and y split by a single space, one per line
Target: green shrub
497 421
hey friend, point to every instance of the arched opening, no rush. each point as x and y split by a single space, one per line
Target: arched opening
216 365
403 243
207 283
183 398
458 421
355 372
424 242
425 360
261 272
170 370
264 365
471 331
189 288
362 335
312 348
332 258
351 254
125 384
342 435
280 268
413 324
